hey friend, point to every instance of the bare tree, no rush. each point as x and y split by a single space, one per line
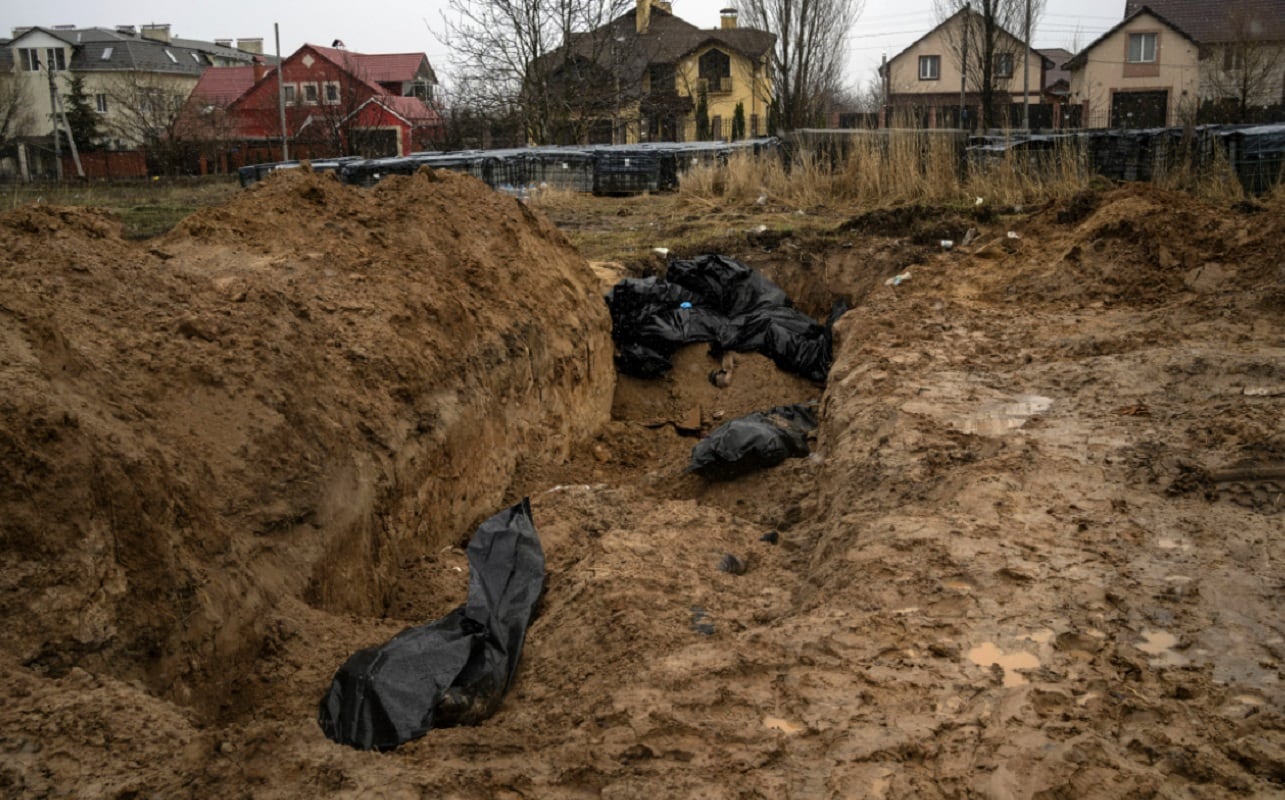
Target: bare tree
986 43
1245 72
808 60
16 116
143 110
519 54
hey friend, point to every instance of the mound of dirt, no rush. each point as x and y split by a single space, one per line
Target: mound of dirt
286 397
1033 553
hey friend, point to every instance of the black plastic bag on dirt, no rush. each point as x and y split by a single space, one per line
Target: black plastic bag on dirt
714 299
726 285
455 670
651 319
792 339
753 442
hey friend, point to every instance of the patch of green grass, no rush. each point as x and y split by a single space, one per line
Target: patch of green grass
146 208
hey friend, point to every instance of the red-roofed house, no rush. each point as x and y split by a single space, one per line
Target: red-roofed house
337 102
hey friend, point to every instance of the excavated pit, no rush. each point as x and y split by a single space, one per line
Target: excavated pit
289 396
1034 553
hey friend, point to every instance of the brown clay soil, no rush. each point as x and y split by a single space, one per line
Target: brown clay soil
1033 554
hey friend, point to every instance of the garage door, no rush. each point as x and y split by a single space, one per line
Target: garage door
1140 109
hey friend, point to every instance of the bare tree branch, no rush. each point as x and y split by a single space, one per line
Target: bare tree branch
990 35
809 58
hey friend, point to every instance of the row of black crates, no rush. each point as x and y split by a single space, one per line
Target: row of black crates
602 169
1255 153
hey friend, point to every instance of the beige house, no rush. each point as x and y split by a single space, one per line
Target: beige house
1242 54
925 80
646 71
1143 73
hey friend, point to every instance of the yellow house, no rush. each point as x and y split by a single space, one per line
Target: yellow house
1143 73
649 70
926 79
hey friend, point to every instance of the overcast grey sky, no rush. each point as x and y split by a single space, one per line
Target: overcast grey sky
395 26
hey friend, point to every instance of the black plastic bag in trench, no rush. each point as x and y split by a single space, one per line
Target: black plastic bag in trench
753 442
453 671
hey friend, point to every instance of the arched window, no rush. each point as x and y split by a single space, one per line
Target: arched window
716 71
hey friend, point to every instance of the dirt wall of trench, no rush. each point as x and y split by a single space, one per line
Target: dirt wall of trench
289 396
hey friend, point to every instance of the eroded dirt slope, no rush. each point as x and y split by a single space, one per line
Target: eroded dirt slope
285 397
1033 555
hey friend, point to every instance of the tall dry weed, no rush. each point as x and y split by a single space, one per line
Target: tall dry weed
899 166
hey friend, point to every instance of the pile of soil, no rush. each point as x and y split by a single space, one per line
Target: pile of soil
1032 554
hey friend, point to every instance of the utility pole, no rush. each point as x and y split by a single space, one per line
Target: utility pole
1026 73
53 118
75 154
281 95
963 62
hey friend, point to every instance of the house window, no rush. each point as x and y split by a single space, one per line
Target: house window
100 102
422 89
107 53
31 58
716 71
929 68
173 58
310 94
716 127
1142 48
331 92
754 125
1233 59
290 93
660 78
1003 65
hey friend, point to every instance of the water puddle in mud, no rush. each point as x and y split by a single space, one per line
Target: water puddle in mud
782 725
987 653
1159 645
996 419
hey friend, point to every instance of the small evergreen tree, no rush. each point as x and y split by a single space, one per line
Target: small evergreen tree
82 118
738 122
702 116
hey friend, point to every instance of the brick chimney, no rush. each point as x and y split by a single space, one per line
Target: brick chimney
157 33
728 18
260 68
642 16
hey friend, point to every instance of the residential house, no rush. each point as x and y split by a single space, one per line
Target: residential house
1242 54
335 102
136 79
923 83
642 76
1142 73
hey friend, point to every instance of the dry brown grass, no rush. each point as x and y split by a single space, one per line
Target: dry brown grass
905 166
888 168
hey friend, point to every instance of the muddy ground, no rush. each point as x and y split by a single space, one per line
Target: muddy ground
1034 553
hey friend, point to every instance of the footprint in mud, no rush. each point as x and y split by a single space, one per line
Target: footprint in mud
987 654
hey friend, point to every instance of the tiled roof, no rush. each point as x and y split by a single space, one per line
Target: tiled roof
618 48
220 86
377 67
1213 21
412 109
137 55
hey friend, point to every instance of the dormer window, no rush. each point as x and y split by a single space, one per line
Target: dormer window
716 71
